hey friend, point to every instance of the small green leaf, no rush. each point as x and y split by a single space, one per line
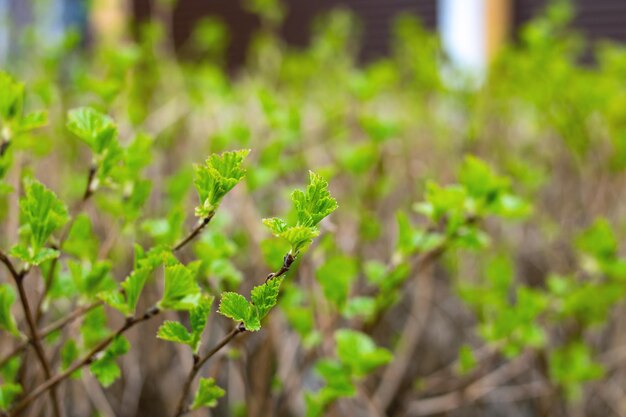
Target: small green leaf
315 203
42 212
133 285
264 296
207 395
8 392
359 353
234 306
106 369
96 129
43 255
276 225
33 120
217 177
181 289
7 298
199 315
174 331
299 237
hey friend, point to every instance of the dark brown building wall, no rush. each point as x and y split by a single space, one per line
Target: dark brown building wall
597 19
376 17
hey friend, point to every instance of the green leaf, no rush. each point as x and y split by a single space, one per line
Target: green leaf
42 212
299 237
133 285
181 289
43 255
33 120
207 395
359 353
199 315
7 298
96 129
106 369
174 331
217 177
69 353
11 99
234 306
276 225
8 392
314 203
336 276
264 296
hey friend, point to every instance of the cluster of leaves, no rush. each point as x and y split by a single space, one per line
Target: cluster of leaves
357 357
311 206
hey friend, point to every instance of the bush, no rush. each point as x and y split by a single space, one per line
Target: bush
470 263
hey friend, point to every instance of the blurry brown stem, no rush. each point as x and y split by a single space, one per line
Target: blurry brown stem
195 232
403 355
182 409
4 146
18 277
50 383
59 324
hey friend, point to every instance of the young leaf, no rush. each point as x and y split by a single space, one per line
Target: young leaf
299 237
106 369
207 395
359 353
217 177
276 225
174 331
8 392
264 296
133 285
314 203
199 315
181 289
43 213
234 306
7 298
96 129
11 99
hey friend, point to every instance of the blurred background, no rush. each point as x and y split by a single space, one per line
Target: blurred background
384 98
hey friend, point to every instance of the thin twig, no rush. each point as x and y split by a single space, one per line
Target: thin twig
195 232
182 409
18 277
59 324
50 383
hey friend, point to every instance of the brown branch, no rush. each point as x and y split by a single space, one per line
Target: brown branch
59 324
394 374
473 392
52 382
18 277
182 409
194 232
4 146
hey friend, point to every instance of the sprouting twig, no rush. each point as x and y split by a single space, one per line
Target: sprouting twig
18 277
194 232
59 324
52 382
182 409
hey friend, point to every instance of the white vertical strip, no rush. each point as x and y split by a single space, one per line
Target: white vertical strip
462 30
